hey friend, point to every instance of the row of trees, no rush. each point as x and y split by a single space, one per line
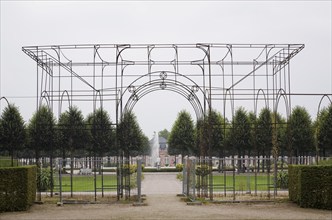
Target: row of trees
72 135
269 134
75 136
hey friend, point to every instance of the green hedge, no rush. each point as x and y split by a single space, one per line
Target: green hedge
310 186
17 188
162 169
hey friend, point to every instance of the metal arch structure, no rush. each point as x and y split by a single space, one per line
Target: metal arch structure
112 72
163 83
209 75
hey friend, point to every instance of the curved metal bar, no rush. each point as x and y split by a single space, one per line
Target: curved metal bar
4 98
95 97
193 101
320 102
256 101
198 111
282 93
232 103
158 72
61 100
185 92
155 86
45 96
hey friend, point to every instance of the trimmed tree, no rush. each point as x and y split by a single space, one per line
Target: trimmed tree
181 139
253 136
41 132
216 122
72 131
100 133
72 136
301 130
240 134
130 135
13 131
264 134
324 131
41 138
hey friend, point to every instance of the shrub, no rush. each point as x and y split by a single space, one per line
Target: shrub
179 167
44 179
179 176
282 179
17 188
203 170
310 186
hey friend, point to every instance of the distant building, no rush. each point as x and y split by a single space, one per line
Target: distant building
165 159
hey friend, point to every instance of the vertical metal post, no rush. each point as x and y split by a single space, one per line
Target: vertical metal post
256 169
233 164
194 178
225 176
268 162
275 177
102 177
95 177
188 175
210 179
248 176
60 179
139 174
184 177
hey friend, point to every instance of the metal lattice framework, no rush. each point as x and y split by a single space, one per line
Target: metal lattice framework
209 76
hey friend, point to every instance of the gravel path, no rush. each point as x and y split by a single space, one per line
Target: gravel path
162 203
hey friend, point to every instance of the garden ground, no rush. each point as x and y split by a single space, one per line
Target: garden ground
162 203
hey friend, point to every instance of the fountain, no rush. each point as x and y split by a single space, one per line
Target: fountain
155 159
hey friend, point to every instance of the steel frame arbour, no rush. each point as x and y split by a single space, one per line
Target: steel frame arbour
210 76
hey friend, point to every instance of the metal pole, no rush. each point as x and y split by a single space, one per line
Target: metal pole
95 177
139 173
184 178
275 177
60 179
233 164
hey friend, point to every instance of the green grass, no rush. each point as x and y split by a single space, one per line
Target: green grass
241 182
7 162
86 183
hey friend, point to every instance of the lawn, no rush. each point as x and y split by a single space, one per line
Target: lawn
243 182
86 183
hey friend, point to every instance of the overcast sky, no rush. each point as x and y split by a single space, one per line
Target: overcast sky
26 23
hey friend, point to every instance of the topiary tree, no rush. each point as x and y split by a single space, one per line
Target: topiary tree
264 134
41 132
324 131
181 139
216 122
100 133
13 131
130 135
240 134
41 138
301 130
72 135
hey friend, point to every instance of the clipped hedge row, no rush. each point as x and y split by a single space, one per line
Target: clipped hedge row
310 186
17 188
